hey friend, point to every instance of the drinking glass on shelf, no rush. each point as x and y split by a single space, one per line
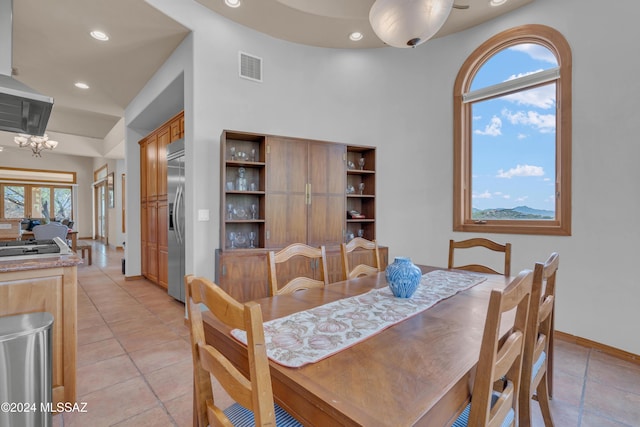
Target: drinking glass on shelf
254 211
361 163
232 240
252 238
241 239
361 233
230 211
233 153
253 154
361 187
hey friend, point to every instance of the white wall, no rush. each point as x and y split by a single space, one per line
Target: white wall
401 101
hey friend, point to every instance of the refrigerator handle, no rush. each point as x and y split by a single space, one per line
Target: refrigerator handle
176 214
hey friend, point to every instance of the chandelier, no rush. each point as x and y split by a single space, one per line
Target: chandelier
408 23
36 143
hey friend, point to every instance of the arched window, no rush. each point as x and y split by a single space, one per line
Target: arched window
512 135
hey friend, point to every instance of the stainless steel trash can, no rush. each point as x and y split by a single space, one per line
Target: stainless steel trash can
25 370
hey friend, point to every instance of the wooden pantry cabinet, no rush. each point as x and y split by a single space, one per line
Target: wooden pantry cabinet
280 190
153 199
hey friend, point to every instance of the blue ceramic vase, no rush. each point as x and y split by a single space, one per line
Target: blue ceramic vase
403 277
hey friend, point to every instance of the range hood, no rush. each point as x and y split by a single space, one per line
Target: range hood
22 109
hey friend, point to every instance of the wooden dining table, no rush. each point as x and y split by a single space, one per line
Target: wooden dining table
415 372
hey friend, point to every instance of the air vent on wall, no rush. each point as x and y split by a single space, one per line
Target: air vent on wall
250 67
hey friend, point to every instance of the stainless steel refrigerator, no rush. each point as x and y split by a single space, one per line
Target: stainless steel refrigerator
175 190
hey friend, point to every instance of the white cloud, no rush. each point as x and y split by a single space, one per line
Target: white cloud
522 199
485 195
541 97
536 51
521 170
545 123
493 128
522 136
477 117
489 195
528 73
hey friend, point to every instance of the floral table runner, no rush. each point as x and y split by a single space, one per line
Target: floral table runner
311 335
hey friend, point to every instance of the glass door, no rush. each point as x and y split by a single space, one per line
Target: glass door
101 231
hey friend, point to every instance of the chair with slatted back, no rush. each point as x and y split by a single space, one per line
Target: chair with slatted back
537 351
315 255
253 394
484 243
494 396
358 245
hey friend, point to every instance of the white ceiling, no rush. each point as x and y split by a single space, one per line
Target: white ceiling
52 48
328 23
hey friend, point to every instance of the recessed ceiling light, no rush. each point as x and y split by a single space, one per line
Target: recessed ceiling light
99 35
497 2
81 85
232 3
355 36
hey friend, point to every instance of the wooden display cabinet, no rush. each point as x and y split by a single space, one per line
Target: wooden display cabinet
361 192
300 191
243 193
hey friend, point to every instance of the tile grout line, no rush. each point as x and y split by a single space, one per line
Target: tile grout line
107 323
584 389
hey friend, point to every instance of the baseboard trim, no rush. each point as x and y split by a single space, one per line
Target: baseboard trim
584 342
134 277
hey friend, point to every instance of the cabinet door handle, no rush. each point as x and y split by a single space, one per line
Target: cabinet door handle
224 270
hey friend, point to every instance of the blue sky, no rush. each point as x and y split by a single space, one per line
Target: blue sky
513 147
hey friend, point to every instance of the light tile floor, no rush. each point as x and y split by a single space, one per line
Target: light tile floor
134 364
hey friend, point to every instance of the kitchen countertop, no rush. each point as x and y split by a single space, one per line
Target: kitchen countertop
37 262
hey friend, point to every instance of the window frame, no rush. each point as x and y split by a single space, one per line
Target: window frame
34 178
462 134
28 198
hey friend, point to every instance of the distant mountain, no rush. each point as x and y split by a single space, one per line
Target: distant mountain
520 212
532 211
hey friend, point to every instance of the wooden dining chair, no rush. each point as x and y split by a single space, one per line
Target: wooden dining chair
359 244
297 283
494 396
253 394
537 349
484 243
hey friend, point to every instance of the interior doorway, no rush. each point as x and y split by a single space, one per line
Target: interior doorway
100 204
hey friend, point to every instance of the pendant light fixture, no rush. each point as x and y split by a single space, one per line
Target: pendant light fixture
408 23
35 143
